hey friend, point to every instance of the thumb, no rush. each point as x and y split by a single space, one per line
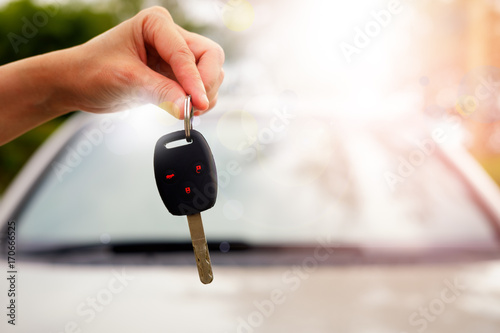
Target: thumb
165 93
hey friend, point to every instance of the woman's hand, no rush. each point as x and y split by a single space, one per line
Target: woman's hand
148 58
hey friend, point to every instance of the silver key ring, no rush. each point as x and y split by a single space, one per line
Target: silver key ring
188 117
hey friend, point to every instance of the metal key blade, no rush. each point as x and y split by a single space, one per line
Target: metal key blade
200 248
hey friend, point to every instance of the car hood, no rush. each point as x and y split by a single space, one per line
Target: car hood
303 298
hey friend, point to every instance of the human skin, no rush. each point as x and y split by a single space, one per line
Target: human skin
146 59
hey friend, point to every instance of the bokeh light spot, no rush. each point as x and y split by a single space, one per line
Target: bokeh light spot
424 81
238 15
467 105
224 247
237 130
105 238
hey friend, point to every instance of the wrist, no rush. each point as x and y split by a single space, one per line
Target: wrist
58 73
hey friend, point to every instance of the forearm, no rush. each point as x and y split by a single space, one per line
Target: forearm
32 92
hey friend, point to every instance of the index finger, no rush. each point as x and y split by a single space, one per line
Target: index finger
210 58
159 31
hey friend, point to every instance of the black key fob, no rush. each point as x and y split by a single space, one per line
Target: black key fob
186 176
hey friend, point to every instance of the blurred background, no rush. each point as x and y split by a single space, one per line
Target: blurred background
424 61
321 101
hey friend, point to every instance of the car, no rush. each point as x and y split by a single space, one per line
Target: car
322 224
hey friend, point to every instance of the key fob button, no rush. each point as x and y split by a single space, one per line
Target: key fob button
188 191
198 169
170 177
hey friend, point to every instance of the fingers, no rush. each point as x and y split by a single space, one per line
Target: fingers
182 62
213 101
213 93
211 73
210 58
159 31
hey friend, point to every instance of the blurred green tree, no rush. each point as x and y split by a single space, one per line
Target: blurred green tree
28 28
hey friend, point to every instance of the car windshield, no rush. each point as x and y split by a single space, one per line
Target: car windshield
283 179
291 170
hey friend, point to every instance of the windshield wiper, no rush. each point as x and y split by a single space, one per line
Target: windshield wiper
126 248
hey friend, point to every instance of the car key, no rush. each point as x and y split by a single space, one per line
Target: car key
186 178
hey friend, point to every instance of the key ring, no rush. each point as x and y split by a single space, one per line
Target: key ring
188 117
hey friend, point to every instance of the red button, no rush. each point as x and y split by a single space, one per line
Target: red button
187 191
198 169
170 176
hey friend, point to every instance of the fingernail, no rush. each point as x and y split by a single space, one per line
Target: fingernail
202 88
205 98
